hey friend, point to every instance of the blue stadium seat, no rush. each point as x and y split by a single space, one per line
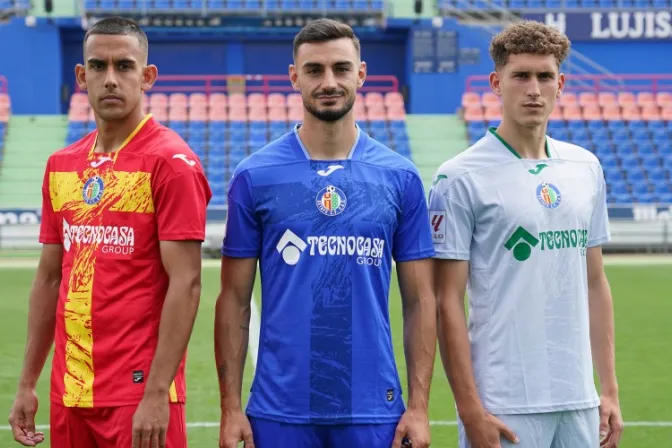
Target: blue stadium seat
215 4
613 176
658 175
108 4
645 149
614 125
665 198
650 161
635 174
620 135
90 4
126 5
629 162
623 198
661 188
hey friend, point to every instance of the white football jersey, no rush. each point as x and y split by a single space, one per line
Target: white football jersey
524 226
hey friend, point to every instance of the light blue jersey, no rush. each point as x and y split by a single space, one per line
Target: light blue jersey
326 233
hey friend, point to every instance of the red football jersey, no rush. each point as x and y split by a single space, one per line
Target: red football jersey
110 211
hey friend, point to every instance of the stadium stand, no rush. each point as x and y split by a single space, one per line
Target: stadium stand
227 6
630 132
13 7
5 111
223 128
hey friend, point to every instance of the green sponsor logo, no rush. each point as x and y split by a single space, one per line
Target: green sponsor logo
522 241
538 169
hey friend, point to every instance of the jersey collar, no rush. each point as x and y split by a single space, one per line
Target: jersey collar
493 131
354 154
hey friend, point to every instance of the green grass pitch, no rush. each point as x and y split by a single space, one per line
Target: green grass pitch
643 309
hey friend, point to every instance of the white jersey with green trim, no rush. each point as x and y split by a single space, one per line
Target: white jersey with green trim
524 226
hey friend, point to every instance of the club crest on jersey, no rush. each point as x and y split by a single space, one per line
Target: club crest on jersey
548 195
331 201
93 190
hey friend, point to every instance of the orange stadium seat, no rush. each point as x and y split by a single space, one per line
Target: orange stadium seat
229 126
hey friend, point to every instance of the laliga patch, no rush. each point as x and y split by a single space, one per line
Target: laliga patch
437 220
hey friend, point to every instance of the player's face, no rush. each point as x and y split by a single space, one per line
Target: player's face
115 75
529 85
328 75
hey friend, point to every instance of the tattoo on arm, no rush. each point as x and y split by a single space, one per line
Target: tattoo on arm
222 371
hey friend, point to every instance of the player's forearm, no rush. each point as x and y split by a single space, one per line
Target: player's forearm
456 356
232 320
177 321
420 348
602 335
41 326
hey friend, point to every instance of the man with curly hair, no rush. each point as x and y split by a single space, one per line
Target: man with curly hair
518 221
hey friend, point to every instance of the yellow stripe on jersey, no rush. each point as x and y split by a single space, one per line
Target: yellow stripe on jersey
173 392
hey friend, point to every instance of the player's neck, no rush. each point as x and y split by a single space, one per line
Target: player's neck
529 143
328 140
112 134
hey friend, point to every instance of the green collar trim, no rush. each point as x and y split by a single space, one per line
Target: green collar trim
493 131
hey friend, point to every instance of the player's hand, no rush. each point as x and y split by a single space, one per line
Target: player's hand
414 425
486 431
22 418
235 427
150 421
611 422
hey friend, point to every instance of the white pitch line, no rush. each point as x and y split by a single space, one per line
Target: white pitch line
432 423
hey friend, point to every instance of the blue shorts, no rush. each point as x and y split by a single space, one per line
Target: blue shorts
271 434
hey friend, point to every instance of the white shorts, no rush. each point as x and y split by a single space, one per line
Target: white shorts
565 429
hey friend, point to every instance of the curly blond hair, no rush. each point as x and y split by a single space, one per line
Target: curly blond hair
528 36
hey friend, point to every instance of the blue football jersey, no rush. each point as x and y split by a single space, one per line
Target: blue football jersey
325 234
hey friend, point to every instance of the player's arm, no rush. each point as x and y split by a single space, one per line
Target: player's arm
42 314
601 322
419 314
241 249
182 262
412 250
601 309
232 323
450 286
41 322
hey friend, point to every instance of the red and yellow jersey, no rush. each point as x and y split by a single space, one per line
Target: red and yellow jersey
110 211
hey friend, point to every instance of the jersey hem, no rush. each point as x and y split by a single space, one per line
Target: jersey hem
359 419
239 253
181 399
182 236
575 406
598 241
415 256
452 255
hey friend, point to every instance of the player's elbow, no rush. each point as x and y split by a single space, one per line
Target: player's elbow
189 286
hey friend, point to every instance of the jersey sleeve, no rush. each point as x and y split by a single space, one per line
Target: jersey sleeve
242 233
451 218
49 226
599 232
180 200
412 239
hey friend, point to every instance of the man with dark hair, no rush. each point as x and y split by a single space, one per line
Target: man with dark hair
325 209
519 222
118 283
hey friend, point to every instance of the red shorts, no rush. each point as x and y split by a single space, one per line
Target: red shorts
107 427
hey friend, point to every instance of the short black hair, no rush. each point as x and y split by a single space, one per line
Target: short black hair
119 26
324 30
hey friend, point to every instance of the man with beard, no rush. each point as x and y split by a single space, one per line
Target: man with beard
326 209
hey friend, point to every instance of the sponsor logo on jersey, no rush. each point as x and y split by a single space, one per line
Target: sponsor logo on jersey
185 159
548 195
111 240
438 222
365 250
522 241
536 170
93 190
330 169
438 179
331 201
